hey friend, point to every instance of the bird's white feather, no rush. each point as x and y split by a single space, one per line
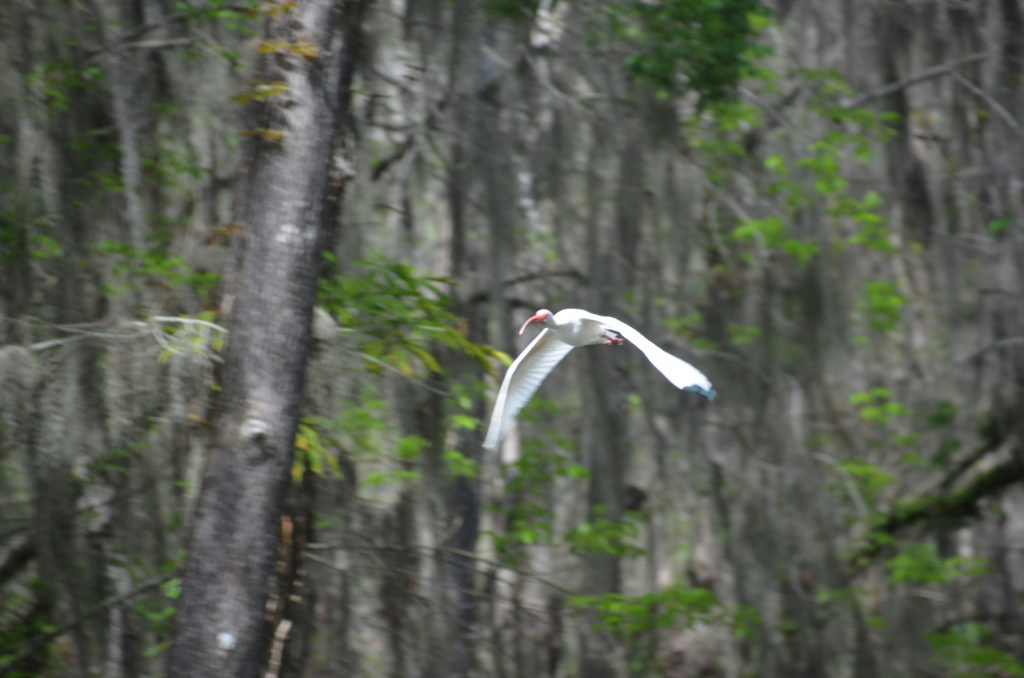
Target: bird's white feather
682 374
565 330
523 378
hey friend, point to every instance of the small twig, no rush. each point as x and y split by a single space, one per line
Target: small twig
184 320
999 343
996 106
469 555
921 76
483 295
158 44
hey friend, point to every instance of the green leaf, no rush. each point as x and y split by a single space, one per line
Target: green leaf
998 225
171 588
409 446
425 357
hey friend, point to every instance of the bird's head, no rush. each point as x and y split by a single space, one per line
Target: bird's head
542 316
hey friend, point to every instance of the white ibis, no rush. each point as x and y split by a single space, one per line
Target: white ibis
564 331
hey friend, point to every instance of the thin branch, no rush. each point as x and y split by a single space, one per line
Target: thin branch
999 343
184 320
159 44
469 555
966 463
414 575
995 105
483 295
17 558
921 76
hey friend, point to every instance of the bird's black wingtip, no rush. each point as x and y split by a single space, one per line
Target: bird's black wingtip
708 393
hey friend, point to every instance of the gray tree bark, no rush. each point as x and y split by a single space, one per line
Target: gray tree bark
220 623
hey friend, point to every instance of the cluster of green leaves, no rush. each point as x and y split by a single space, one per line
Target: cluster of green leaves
237 15
882 305
362 425
158 613
153 266
97 156
887 421
966 649
774 233
671 608
605 536
814 180
697 46
877 406
532 478
60 81
869 479
21 623
918 563
312 453
398 314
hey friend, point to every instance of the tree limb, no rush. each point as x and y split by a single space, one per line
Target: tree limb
941 508
920 76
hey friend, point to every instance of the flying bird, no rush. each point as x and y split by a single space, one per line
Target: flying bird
564 331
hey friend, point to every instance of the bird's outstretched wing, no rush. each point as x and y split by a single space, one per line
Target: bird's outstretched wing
523 378
682 374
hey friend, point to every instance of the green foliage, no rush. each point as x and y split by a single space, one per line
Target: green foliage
153 267
813 182
700 46
459 465
528 520
604 536
964 649
999 225
741 335
677 606
774 233
869 479
97 155
42 246
157 614
397 314
237 15
882 304
171 163
871 234
57 83
918 563
310 453
877 406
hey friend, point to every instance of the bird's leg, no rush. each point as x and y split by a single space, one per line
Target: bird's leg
613 338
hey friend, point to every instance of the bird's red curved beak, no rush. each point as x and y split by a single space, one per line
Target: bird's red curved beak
535 318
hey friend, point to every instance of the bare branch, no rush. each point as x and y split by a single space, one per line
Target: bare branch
921 76
995 105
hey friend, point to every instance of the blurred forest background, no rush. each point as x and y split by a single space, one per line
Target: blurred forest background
817 203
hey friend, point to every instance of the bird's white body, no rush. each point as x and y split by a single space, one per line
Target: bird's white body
564 331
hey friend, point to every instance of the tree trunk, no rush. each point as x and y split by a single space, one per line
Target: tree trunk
220 624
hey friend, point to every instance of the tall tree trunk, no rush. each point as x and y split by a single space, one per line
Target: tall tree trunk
220 625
